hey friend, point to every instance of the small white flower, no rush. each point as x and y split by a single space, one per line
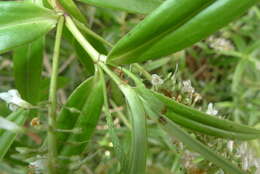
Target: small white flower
187 87
220 44
107 153
156 80
38 165
230 145
14 100
211 110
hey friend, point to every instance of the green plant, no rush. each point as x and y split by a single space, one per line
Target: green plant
170 26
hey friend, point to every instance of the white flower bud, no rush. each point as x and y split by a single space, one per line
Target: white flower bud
156 80
38 165
211 110
187 87
220 44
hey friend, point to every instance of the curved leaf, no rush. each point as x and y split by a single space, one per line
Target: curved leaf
174 130
87 120
19 18
27 70
207 129
137 159
8 137
133 6
71 110
174 26
194 119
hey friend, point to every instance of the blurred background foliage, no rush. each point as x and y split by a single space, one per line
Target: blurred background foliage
223 69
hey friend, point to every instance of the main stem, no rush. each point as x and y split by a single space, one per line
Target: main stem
52 146
93 53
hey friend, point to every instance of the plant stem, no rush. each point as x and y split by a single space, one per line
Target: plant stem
146 74
93 53
113 76
91 33
52 149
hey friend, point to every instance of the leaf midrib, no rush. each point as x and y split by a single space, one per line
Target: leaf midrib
27 22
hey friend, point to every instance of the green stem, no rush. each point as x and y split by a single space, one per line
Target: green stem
93 53
52 149
139 68
113 76
91 33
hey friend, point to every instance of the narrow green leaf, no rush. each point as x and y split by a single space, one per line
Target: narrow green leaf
19 18
137 155
133 6
72 109
207 129
7 137
174 130
174 26
203 117
163 103
73 10
87 120
27 70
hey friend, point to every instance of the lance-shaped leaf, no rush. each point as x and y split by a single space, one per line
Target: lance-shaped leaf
137 155
133 6
174 26
196 120
27 70
72 109
208 129
175 131
8 137
87 120
23 22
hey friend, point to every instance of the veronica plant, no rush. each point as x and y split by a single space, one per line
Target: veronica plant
168 27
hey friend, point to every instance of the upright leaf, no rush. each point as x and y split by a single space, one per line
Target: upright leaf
174 26
137 155
27 70
133 6
87 120
72 109
23 22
